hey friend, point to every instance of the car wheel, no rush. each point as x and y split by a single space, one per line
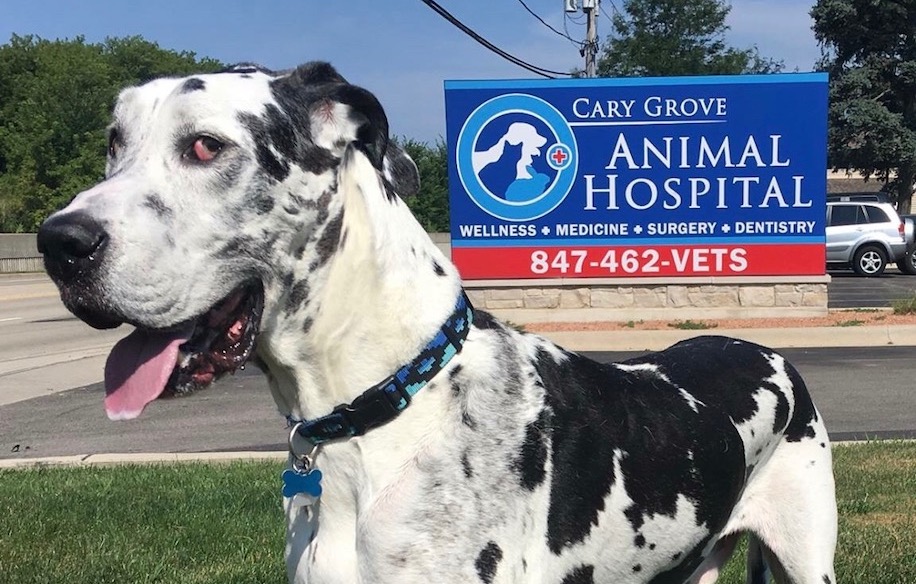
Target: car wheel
907 264
869 260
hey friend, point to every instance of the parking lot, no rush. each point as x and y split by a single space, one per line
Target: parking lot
848 290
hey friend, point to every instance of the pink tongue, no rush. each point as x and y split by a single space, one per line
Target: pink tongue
137 369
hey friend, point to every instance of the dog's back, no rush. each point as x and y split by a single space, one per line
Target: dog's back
551 467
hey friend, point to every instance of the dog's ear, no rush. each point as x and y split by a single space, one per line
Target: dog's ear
246 67
314 73
401 171
367 115
320 89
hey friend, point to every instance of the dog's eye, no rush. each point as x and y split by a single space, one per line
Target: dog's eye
114 143
203 149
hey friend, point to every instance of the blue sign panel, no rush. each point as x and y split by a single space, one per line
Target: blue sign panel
638 177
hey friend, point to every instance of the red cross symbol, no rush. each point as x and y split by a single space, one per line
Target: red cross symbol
558 156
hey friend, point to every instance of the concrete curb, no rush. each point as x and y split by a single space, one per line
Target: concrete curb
115 459
781 338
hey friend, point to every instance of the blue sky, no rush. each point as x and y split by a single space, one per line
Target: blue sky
399 49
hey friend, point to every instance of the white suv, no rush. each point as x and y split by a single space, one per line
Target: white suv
864 232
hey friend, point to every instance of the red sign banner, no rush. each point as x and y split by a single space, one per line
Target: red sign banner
638 261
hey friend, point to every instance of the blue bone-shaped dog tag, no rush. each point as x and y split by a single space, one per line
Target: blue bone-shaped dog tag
296 482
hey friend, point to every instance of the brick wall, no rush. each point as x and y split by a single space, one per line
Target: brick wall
639 299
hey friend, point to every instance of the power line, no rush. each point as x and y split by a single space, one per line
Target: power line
511 58
573 19
604 12
545 23
566 20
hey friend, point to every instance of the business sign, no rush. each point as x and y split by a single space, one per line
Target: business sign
686 176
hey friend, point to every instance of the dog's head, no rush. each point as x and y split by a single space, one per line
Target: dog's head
217 187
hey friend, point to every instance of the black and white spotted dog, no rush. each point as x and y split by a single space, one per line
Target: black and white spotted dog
255 216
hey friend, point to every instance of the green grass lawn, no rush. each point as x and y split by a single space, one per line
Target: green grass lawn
181 523
194 523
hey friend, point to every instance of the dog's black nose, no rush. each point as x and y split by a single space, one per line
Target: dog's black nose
71 244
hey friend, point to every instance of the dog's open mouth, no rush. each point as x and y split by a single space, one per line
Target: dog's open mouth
149 363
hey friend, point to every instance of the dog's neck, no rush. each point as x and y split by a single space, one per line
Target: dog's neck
379 298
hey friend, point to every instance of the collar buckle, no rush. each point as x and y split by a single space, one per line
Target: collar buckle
376 407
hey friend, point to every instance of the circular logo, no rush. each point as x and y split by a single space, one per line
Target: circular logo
517 157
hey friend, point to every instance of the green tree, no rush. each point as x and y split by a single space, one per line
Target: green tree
55 102
869 49
676 37
430 207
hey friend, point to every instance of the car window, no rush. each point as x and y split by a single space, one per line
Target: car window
846 215
876 215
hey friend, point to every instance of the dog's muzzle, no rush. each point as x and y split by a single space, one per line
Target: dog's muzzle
72 244
74 247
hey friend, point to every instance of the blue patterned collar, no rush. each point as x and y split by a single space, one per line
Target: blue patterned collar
382 402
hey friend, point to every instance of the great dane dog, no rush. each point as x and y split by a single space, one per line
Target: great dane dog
256 216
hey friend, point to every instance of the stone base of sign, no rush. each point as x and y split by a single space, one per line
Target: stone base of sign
578 300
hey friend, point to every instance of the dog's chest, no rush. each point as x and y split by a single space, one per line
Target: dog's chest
463 538
467 512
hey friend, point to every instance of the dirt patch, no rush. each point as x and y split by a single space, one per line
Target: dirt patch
903 461
838 318
894 520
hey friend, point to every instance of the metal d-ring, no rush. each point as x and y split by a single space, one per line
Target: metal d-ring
303 462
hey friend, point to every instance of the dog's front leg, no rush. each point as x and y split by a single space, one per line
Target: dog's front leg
319 556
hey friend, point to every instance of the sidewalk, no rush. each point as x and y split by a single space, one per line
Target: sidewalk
802 337
140 458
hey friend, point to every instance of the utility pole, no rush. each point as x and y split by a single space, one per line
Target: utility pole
590 50
590 8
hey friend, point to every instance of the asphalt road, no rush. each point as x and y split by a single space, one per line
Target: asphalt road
861 392
848 290
44 350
